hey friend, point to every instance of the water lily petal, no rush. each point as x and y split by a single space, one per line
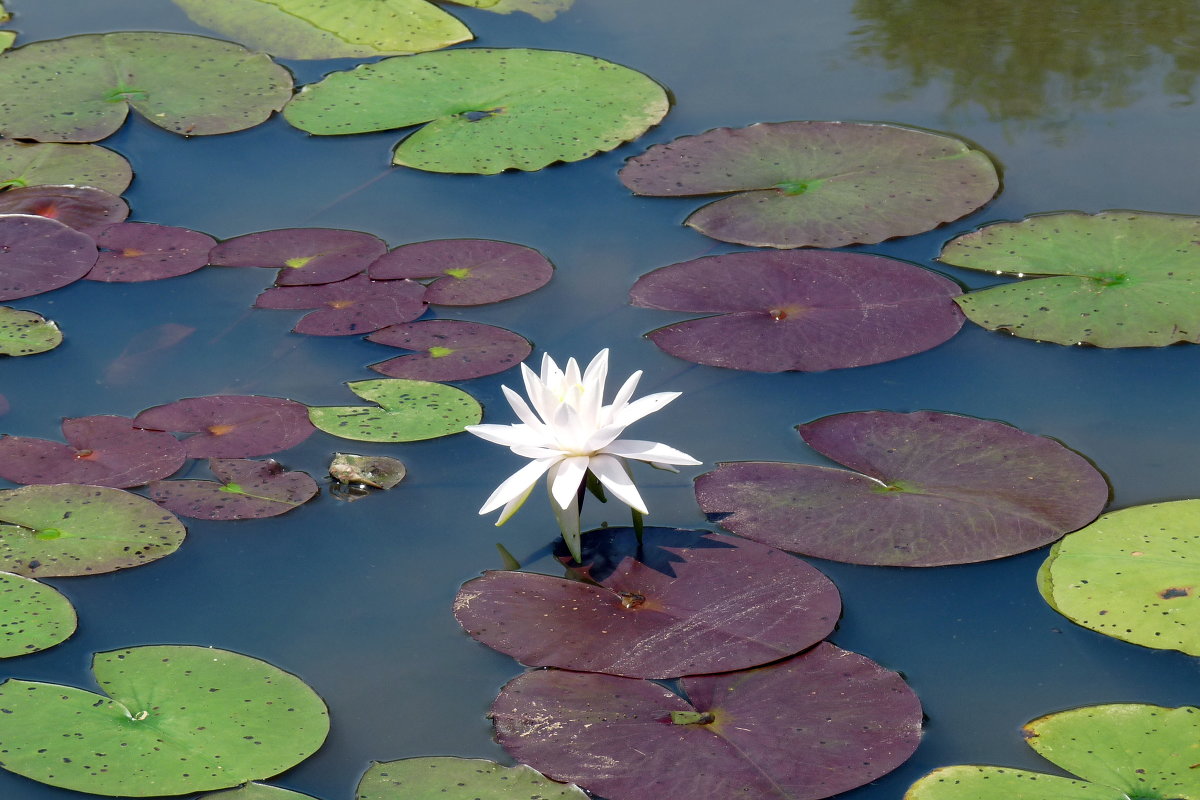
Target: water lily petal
508 435
518 483
612 473
600 440
523 411
655 452
624 393
564 484
543 401
642 407
591 399
567 518
514 505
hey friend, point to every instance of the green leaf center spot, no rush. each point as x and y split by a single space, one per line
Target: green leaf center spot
12 183
298 261
125 93
793 188
440 352
692 717
903 487
462 273
232 488
1111 278
477 114
47 534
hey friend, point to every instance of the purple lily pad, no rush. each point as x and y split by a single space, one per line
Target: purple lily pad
819 723
729 604
83 208
934 489
247 490
102 451
803 310
355 305
450 350
304 256
817 184
39 254
143 251
231 426
468 272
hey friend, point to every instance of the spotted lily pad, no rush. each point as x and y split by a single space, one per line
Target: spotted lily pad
1133 574
176 719
467 272
32 164
83 208
23 333
807 311
930 489
354 305
728 604
102 450
67 529
1122 750
305 29
407 411
1114 279
256 791
79 89
7 39
303 256
450 350
488 110
246 490
39 254
458 779
142 251
230 425
808 727
33 616
817 184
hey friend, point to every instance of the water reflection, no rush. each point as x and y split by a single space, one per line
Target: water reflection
1035 62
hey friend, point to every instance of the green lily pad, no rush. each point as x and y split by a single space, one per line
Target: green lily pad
407 411
1133 574
33 616
23 333
256 791
459 779
305 29
37 164
6 40
488 110
970 782
1113 279
545 10
71 529
79 89
177 719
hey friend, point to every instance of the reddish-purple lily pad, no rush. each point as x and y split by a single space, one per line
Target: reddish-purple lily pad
101 450
819 723
230 425
818 184
450 350
730 604
931 489
468 272
304 256
355 305
39 254
83 208
802 310
143 251
247 490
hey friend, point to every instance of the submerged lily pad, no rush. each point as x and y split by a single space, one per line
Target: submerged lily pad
176 719
545 10
143 251
407 411
450 350
807 311
354 305
246 490
1133 574
378 472
256 791
39 254
811 726
33 616
102 451
23 333
817 184
83 208
467 272
79 89
231 425
308 29
458 779
931 489
1114 279
488 110
304 256
65 529
1122 750
32 164
730 604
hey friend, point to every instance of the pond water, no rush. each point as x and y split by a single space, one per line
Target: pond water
1085 104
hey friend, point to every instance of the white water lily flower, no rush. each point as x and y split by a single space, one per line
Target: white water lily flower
568 432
